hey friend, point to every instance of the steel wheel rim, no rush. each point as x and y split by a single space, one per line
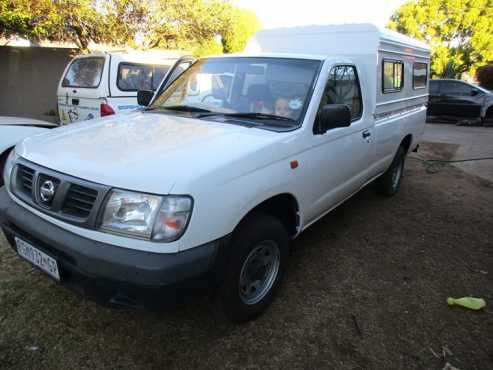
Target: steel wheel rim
396 175
259 272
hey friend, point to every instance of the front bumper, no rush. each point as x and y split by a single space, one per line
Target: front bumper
113 275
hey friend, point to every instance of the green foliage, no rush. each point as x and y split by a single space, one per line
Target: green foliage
485 76
243 24
460 32
30 19
208 47
123 20
183 23
192 25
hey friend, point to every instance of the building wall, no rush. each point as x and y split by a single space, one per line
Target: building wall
28 80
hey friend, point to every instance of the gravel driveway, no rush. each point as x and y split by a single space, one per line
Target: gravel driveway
365 289
474 142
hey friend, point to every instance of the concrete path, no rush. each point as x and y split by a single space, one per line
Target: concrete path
474 142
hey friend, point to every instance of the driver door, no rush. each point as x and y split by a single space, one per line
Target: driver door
459 100
341 158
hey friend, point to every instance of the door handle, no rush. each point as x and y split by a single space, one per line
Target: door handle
366 134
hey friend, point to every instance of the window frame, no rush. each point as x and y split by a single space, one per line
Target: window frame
394 63
426 76
463 83
133 64
309 94
82 87
357 79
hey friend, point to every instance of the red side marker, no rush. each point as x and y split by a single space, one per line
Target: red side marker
294 164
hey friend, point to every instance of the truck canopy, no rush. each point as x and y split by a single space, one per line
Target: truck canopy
332 40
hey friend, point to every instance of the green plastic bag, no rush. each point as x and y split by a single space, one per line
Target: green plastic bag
467 302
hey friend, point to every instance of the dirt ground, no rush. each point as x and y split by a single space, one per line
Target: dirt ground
365 289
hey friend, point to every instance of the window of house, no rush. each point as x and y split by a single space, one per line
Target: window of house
392 76
420 75
343 87
134 77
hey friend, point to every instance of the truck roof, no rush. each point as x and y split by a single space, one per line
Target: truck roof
147 57
270 55
347 40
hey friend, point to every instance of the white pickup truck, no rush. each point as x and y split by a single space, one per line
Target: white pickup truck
204 189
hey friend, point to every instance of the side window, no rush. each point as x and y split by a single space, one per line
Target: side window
177 70
158 75
420 75
343 87
134 77
460 89
392 76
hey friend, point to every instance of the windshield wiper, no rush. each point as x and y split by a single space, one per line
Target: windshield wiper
252 115
180 108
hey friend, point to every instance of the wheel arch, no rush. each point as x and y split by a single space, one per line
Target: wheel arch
283 206
489 112
3 157
406 142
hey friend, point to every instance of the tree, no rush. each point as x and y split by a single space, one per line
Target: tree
198 26
242 25
123 20
460 32
485 76
25 18
67 20
183 24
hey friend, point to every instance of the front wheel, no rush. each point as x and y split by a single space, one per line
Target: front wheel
259 253
389 183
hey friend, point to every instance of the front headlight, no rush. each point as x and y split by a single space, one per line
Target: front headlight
9 165
153 217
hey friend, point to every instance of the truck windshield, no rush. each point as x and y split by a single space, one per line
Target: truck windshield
272 91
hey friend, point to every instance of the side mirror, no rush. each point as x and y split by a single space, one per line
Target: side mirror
332 116
144 97
474 92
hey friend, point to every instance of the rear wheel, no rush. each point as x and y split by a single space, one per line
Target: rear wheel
260 250
389 183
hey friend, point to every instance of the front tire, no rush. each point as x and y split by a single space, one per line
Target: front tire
390 182
259 253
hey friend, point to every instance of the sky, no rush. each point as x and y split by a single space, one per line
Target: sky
285 13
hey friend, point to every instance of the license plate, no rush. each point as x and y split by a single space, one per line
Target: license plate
38 258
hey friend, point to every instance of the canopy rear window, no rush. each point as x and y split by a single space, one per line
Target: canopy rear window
84 72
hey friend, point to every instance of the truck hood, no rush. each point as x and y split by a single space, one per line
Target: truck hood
146 152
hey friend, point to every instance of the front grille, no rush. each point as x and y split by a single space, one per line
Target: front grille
65 197
42 178
26 179
79 201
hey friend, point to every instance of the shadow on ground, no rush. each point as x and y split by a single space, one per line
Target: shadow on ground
366 288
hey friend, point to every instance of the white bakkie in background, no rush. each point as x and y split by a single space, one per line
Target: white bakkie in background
101 84
235 157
